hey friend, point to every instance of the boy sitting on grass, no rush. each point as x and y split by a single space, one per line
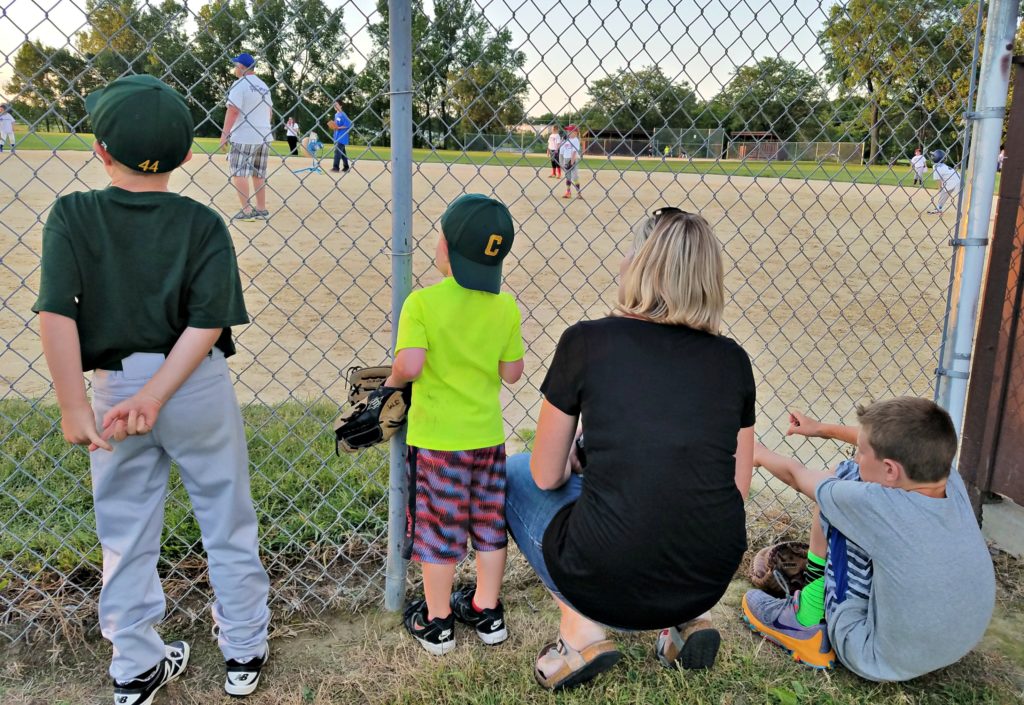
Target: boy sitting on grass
903 582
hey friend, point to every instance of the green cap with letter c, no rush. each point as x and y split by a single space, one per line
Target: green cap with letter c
479 232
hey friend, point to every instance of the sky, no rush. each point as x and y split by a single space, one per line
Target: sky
566 43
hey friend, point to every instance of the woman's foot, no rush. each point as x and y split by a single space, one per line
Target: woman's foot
559 666
692 645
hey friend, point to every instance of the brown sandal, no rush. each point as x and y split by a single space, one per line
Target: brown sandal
692 645
577 666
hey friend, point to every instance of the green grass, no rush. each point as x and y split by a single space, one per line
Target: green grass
805 171
304 494
309 495
369 659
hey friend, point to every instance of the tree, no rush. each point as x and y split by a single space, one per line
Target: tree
457 63
220 29
489 93
374 81
113 41
773 95
646 99
50 84
455 36
879 46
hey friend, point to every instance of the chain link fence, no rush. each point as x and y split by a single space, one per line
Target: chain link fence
836 274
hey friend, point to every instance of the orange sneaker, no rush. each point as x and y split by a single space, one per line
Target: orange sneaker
774 618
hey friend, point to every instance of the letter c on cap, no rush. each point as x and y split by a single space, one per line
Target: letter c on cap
492 245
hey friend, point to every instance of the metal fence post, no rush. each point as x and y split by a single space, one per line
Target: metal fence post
966 289
400 33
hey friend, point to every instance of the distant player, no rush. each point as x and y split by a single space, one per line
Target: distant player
918 165
292 130
949 181
554 142
247 128
342 127
569 156
1001 158
6 127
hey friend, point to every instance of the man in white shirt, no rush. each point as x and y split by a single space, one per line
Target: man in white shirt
569 155
554 142
247 129
949 181
6 127
918 164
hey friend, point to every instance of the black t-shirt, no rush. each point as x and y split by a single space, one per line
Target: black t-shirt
134 269
659 529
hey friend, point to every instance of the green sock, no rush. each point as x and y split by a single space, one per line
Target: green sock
811 609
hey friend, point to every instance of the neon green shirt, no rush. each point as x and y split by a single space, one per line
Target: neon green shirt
455 403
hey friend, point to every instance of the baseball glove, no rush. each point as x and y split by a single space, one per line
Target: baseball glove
374 412
779 569
331 125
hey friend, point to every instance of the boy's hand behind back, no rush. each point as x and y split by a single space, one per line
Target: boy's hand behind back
135 416
79 427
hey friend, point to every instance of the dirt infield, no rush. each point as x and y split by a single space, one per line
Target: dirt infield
837 290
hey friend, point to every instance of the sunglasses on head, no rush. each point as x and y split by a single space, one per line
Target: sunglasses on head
669 210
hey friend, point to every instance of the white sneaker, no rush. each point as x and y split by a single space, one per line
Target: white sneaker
141 690
244 676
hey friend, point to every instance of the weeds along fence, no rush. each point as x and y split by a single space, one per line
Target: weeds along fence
836 275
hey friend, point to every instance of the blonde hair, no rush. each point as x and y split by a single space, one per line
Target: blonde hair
675 273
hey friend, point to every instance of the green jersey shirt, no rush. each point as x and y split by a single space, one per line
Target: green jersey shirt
134 269
455 403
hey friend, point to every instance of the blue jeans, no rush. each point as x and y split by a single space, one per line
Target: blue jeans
529 511
340 155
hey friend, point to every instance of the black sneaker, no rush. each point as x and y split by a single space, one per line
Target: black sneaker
140 691
437 635
489 624
244 676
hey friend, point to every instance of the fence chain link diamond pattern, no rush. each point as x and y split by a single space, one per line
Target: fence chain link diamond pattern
787 124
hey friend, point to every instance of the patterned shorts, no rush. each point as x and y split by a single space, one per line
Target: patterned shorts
455 495
248 160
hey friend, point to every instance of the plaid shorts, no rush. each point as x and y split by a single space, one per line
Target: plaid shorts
455 495
248 160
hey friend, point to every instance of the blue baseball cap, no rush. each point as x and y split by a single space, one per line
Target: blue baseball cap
245 60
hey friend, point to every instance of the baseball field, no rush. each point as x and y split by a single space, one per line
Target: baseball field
837 290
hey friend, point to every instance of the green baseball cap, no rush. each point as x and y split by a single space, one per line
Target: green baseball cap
143 123
479 232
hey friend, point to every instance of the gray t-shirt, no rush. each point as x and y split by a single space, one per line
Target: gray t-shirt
909 585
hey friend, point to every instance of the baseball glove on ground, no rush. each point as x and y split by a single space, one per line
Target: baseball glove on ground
779 569
374 412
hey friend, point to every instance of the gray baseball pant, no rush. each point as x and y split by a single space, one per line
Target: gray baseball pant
199 428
